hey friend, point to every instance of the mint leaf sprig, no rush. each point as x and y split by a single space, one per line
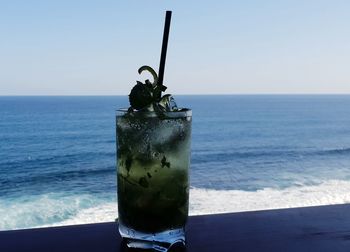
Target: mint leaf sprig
142 95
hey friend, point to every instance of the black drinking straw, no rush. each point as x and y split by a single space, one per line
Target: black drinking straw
163 53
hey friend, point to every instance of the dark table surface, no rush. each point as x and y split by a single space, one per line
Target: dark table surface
323 228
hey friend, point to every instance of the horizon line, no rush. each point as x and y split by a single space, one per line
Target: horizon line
221 94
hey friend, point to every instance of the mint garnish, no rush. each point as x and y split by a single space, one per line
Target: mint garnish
143 95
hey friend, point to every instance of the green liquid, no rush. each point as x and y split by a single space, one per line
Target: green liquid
153 163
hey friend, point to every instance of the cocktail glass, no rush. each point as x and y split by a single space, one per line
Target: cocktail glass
153 159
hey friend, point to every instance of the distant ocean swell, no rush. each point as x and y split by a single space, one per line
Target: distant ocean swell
198 157
54 209
53 176
227 155
56 159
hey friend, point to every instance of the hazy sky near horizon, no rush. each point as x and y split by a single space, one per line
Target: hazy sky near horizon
84 47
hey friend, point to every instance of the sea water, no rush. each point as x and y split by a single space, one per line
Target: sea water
249 152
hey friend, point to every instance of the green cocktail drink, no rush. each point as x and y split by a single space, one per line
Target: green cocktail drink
153 152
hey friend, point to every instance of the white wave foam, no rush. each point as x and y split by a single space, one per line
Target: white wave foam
102 213
43 210
216 201
202 201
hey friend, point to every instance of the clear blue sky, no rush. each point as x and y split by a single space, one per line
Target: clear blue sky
72 47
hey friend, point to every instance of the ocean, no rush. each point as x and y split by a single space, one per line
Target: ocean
249 152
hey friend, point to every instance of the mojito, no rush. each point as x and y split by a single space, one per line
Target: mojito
153 156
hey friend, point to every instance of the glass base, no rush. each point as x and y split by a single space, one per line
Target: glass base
161 241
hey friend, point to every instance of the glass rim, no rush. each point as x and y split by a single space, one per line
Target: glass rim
183 112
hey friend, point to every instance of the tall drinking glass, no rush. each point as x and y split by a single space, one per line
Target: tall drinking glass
153 159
